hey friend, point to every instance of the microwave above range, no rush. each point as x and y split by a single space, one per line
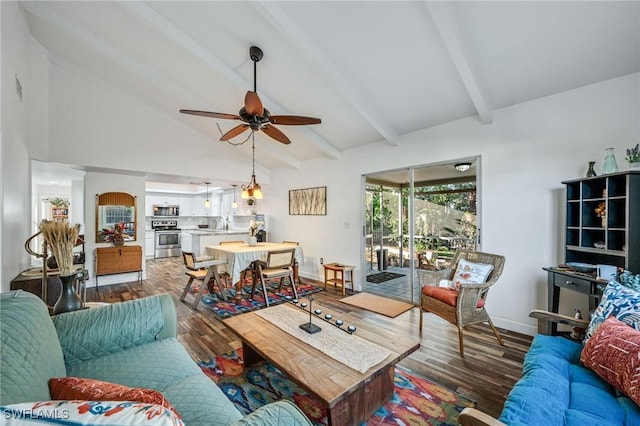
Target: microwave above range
162 210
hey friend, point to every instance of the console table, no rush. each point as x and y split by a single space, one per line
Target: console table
118 260
581 283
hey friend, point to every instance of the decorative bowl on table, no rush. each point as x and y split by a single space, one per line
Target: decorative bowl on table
599 245
586 268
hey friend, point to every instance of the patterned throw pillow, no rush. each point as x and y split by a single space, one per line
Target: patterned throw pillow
98 390
471 273
88 413
612 353
617 300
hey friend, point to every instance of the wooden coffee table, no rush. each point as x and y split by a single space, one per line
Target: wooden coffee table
349 396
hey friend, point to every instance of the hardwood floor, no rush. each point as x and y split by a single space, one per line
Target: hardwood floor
485 374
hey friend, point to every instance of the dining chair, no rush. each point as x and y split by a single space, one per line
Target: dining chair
462 301
296 275
203 269
279 264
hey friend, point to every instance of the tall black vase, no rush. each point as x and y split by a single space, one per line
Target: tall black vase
69 299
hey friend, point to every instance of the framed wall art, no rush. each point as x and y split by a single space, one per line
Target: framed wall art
308 201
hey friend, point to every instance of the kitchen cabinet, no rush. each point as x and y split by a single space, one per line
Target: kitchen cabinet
202 239
185 205
149 244
197 205
186 241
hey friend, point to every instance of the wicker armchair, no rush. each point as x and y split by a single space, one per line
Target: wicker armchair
465 306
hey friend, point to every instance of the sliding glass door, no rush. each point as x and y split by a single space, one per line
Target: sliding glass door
416 218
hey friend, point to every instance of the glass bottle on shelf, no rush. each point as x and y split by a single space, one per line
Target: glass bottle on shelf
610 165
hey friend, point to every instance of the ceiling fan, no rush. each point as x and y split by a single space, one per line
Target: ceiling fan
255 116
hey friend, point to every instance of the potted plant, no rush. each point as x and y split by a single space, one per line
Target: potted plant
61 237
115 235
633 157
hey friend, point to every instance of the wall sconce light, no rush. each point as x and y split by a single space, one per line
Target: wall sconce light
207 203
462 167
235 203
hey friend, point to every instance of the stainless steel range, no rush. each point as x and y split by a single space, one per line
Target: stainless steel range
167 238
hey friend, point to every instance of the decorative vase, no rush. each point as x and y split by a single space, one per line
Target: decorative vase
604 221
253 241
69 299
634 166
591 172
118 243
610 165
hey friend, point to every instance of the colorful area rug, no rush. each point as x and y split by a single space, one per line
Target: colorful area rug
381 277
230 308
416 401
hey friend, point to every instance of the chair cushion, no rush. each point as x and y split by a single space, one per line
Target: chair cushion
618 300
276 272
612 352
471 273
443 294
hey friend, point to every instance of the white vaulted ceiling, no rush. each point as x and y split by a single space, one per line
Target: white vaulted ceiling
373 71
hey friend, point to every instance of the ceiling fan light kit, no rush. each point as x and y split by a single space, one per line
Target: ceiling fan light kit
253 189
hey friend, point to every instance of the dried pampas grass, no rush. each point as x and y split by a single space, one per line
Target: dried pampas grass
61 238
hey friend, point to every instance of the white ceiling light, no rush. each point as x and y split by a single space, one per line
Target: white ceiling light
462 167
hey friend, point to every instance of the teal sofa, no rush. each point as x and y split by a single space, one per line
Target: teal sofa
131 343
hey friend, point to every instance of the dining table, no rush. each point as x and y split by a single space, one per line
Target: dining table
241 256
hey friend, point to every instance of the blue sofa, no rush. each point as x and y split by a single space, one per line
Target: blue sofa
131 343
555 389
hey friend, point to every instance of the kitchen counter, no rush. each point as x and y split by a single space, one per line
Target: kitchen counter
200 238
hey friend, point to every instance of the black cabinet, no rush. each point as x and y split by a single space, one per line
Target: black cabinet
614 238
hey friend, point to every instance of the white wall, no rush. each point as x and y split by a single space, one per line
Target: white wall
98 183
126 134
526 152
18 53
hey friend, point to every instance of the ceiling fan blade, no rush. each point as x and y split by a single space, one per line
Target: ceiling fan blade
275 134
293 120
211 114
253 104
234 132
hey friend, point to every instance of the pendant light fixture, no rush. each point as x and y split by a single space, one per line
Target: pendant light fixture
207 203
234 205
253 189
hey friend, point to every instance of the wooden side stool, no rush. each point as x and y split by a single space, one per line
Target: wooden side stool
342 274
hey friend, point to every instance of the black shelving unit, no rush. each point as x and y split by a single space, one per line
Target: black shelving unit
619 232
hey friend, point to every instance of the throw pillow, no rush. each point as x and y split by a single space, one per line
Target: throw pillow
617 300
612 353
91 389
471 273
88 413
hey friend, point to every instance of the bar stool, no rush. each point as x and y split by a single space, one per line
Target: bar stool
203 269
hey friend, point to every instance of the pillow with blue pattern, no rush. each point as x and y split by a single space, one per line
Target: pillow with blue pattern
619 301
